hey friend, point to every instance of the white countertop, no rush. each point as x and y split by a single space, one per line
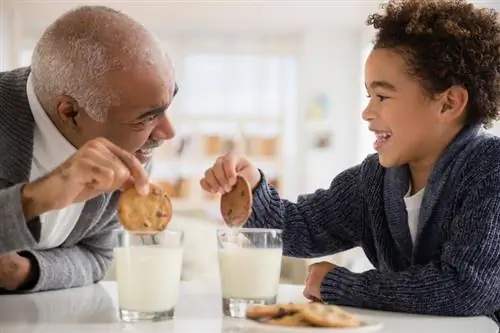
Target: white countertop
94 309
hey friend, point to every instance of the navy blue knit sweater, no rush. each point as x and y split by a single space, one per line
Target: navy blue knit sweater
455 267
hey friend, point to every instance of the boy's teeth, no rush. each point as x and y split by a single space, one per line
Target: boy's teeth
384 135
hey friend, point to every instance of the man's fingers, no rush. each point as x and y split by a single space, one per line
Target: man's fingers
141 179
129 183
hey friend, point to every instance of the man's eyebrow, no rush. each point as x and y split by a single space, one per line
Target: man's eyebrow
153 112
381 84
157 110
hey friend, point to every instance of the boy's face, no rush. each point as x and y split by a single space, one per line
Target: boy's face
407 123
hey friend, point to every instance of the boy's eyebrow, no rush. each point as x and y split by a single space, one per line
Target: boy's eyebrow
381 84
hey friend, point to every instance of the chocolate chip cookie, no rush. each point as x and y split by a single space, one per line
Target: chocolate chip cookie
145 214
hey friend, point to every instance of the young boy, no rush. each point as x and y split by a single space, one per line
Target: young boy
426 207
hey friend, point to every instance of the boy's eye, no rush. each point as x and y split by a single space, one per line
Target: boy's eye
380 97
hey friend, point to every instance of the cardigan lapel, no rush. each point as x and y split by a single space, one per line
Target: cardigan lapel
441 172
16 127
396 183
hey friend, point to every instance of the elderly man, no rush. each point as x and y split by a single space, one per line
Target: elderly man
75 128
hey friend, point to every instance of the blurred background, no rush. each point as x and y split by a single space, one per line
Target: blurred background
280 81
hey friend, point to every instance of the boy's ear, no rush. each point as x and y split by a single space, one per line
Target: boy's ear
454 103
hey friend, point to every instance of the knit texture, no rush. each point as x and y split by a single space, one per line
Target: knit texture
454 268
87 252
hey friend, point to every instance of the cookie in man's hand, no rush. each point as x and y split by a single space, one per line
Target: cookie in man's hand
236 205
145 214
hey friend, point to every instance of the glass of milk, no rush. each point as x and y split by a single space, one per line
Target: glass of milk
148 272
249 266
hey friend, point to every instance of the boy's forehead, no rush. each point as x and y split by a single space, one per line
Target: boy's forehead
383 65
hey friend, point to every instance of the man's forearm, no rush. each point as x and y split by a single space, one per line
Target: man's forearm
35 198
63 268
16 233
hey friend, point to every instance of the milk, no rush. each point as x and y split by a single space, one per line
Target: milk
249 273
148 277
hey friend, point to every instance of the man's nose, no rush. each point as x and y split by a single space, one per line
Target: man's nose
164 129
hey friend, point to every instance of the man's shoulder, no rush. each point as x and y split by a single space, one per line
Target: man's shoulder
13 90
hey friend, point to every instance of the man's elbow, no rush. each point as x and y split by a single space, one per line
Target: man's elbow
103 260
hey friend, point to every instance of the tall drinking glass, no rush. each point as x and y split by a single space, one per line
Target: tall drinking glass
148 272
250 267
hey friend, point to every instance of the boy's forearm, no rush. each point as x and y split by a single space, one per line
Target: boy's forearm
318 224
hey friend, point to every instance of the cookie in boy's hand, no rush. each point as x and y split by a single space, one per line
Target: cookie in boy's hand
144 214
236 205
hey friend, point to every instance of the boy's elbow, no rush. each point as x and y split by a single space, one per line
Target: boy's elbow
478 299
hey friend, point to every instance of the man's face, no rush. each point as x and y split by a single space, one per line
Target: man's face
139 124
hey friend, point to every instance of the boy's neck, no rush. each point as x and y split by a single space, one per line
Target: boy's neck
421 170
419 177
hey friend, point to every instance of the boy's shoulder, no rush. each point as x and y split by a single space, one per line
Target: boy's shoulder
481 154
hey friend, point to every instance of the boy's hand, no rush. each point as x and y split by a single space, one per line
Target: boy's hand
314 279
222 175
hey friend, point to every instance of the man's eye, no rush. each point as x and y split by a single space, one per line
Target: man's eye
146 121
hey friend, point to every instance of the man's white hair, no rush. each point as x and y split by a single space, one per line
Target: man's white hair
77 51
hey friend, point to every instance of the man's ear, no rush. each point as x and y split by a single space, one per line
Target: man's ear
68 111
454 103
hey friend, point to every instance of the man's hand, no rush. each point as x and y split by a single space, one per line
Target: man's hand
315 276
99 166
14 271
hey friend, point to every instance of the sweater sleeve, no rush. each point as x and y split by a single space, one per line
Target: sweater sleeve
464 281
322 223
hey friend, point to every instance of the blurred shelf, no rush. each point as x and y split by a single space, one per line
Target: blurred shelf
180 163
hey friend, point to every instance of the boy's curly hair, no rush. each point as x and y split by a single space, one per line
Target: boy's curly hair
445 43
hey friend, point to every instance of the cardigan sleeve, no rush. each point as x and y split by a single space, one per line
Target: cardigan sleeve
464 281
318 224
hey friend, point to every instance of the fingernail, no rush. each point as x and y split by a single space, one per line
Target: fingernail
145 189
